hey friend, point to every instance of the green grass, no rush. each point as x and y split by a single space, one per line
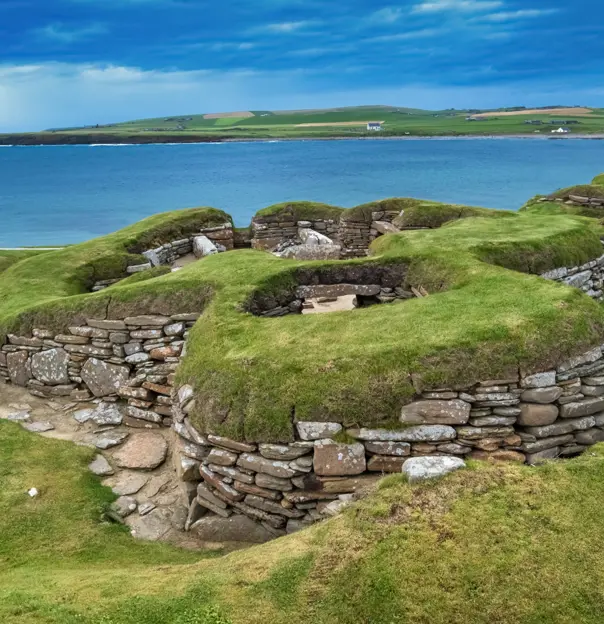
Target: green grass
486 315
493 543
8 257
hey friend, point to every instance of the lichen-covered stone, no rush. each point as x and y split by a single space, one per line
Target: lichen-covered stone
50 367
535 415
436 412
19 367
335 459
102 378
317 430
420 469
143 451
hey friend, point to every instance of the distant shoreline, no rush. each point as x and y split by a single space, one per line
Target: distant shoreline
49 140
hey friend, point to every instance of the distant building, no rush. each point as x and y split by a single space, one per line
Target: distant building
534 122
472 118
375 126
561 131
564 122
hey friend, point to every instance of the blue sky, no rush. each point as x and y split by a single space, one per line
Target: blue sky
71 62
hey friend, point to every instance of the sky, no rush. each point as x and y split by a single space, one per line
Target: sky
80 62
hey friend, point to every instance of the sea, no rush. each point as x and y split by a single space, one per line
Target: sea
57 195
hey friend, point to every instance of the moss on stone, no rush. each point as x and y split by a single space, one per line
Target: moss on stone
301 211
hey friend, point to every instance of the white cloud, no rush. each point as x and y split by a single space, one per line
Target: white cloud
62 34
424 33
387 15
507 16
288 27
462 6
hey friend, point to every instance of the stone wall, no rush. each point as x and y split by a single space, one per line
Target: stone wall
222 237
588 277
133 358
353 235
284 487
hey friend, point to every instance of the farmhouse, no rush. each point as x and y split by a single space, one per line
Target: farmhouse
561 131
375 126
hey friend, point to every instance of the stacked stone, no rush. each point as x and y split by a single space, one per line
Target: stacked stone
381 223
354 237
588 277
170 252
134 358
271 231
330 292
102 284
577 200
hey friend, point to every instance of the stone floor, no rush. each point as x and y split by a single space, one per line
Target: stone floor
150 500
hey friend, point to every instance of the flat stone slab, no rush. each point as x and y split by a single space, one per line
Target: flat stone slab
50 367
38 427
152 526
420 469
236 528
100 466
143 451
103 378
127 483
83 416
339 460
110 439
107 414
436 412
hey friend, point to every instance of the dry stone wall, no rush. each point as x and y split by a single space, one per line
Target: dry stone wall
588 277
284 487
220 238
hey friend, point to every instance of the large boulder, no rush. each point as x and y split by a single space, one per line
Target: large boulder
311 237
536 415
236 528
203 246
50 367
143 451
421 468
102 378
436 412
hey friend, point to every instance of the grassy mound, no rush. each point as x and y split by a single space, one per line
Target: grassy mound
493 543
598 180
434 215
252 374
8 257
581 190
301 211
52 289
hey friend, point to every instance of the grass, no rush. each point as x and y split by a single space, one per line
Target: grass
8 257
493 543
486 316
285 125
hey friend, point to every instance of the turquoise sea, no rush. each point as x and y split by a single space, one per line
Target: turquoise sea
67 194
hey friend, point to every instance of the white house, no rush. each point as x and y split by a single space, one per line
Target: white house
376 126
561 131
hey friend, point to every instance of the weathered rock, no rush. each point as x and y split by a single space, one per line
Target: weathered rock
234 445
222 458
281 451
585 358
582 408
337 290
237 528
128 483
421 433
335 459
273 483
103 378
592 391
50 367
590 436
436 412
317 430
106 324
539 380
152 526
223 488
147 320
100 467
312 252
562 427
541 456
107 414
385 463
499 455
399 449
542 395
140 414
535 415
188 469
124 506
19 368
205 494
38 427
546 443
257 490
203 246
493 421
476 433
110 439
232 473
271 507
419 469
143 451
257 463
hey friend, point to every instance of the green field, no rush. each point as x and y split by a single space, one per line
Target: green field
287 124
